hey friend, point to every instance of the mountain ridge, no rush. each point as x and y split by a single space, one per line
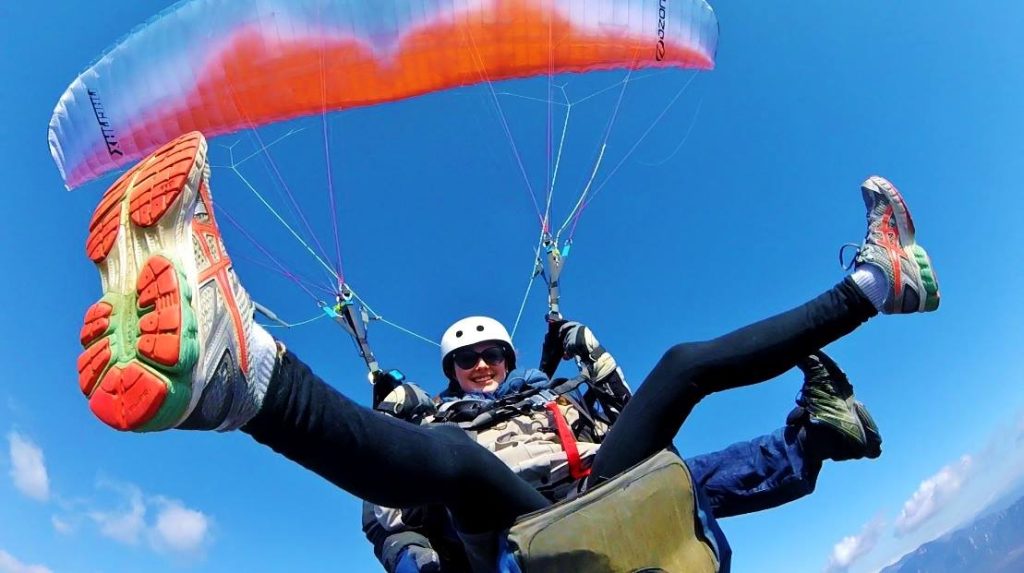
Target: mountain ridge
992 543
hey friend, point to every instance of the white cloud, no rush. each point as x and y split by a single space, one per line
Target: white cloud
61 525
180 529
166 525
852 547
8 564
958 493
28 469
125 524
934 494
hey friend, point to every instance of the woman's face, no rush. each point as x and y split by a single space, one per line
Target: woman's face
480 368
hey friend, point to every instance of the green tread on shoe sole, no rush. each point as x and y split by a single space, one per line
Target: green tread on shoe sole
176 377
123 334
931 286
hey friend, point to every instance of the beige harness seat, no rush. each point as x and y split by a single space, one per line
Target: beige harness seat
643 520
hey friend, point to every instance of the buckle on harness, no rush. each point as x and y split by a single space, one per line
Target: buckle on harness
541 399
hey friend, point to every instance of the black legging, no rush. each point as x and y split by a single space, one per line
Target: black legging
689 372
384 460
396 464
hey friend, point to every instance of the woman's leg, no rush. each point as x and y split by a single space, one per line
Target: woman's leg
172 344
689 372
384 460
892 269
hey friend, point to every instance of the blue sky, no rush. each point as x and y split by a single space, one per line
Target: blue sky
700 230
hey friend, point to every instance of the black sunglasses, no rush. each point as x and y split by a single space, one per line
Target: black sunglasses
466 358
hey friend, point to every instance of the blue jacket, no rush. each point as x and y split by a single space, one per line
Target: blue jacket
517 380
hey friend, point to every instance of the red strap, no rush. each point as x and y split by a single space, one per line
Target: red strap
572 454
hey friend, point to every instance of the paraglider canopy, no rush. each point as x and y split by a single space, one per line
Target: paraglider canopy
218 66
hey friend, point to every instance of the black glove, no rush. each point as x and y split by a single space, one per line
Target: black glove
553 350
408 402
384 382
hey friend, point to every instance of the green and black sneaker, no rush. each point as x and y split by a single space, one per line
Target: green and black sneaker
839 426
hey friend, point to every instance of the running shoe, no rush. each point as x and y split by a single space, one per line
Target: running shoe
172 342
889 246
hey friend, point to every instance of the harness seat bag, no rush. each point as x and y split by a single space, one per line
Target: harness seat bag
645 519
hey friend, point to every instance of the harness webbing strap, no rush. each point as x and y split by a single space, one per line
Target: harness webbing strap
572 453
345 315
502 409
555 262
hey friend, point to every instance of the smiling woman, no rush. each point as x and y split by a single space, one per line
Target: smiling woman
805 97
172 344
480 368
477 354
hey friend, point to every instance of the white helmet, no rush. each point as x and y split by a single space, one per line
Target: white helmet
471 330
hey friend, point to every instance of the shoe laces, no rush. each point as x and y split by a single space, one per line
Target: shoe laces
842 253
